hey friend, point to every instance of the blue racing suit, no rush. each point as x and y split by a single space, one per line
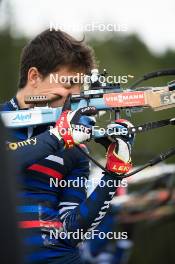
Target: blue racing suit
48 209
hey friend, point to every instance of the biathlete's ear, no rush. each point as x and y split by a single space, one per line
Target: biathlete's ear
67 104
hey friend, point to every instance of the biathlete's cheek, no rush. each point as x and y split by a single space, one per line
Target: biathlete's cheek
59 100
64 93
57 103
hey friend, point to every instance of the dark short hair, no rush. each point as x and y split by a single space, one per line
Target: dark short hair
51 50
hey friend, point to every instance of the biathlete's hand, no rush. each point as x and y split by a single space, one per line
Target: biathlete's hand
75 127
120 127
118 146
119 157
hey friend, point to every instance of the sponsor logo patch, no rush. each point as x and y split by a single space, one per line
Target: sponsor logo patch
124 99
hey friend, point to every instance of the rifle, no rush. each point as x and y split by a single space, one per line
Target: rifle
111 98
105 97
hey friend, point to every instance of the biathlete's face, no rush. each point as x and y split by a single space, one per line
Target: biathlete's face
57 85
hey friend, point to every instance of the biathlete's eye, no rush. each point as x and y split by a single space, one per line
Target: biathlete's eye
75 83
69 84
72 83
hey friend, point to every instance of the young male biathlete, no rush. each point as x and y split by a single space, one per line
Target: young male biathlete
46 209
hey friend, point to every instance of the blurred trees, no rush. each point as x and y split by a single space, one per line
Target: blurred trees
10 49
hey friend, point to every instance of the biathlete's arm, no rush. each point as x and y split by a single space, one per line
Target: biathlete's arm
29 151
68 131
88 214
